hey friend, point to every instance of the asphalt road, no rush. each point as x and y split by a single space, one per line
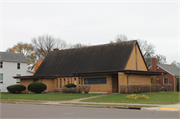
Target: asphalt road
25 111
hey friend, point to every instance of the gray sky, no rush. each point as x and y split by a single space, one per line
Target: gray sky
93 22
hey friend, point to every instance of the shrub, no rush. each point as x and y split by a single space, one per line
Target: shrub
79 89
70 85
123 89
72 90
167 87
145 88
134 96
37 87
65 90
16 88
155 87
134 89
86 88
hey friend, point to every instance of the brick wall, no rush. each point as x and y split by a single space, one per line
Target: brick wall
159 79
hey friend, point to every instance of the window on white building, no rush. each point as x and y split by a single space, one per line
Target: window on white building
165 80
1 78
18 80
1 64
18 65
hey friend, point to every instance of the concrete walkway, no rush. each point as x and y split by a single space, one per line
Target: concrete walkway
158 107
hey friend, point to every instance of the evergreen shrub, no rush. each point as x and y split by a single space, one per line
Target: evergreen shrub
37 87
18 88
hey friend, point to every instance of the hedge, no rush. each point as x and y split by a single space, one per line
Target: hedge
37 87
167 87
139 88
18 88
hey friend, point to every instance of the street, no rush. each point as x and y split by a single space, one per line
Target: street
49 112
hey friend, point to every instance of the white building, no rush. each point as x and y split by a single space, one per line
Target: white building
12 64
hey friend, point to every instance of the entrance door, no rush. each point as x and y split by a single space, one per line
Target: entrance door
115 83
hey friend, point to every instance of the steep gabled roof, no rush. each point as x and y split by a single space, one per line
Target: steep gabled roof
170 69
108 57
12 57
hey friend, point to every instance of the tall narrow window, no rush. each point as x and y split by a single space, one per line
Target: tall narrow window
64 82
18 80
1 64
18 65
1 78
166 81
68 81
60 83
75 81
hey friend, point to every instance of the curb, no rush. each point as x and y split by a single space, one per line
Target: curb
92 106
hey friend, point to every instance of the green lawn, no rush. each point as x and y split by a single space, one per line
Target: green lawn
154 98
45 96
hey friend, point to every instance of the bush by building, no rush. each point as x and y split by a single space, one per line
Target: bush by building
70 85
65 90
79 89
16 88
155 87
86 88
167 87
37 87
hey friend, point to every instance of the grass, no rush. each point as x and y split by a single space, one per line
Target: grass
45 96
110 105
154 98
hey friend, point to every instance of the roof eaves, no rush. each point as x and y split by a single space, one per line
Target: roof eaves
165 70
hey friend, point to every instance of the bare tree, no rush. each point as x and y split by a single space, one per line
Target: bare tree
46 43
174 63
161 59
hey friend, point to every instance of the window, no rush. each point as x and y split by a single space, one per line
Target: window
60 83
75 81
165 80
95 80
18 80
1 78
1 64
35 80
18 65
67 81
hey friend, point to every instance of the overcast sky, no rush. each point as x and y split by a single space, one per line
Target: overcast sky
93 22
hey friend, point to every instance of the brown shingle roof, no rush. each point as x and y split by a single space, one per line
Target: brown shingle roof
108 57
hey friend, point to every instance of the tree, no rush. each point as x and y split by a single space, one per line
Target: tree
161 59
27 50
174 63
46 43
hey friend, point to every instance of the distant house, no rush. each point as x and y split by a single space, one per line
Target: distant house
103 67
12 64
173 74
